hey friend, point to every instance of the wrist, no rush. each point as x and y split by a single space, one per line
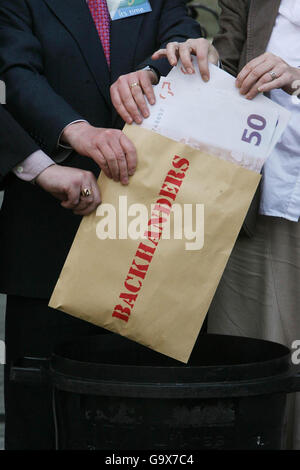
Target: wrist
73 131
43 175
154 77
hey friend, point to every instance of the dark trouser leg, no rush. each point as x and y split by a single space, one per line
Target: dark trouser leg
33 329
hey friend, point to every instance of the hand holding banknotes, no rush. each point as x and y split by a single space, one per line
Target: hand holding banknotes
109 148
201 48
77 189
265 73
128 95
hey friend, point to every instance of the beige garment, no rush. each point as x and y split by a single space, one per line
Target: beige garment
259 294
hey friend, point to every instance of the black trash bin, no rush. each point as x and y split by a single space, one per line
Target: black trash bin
111 393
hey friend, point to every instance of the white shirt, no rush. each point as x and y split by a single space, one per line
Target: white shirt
281 174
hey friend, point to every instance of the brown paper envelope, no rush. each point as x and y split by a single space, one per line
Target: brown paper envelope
179 285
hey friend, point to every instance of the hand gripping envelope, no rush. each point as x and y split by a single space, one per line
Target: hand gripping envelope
147 263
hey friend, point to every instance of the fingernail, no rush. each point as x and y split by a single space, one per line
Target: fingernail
130 121
173 62
205 78
190 70
131 172
152 101
260 89
147 114
125 181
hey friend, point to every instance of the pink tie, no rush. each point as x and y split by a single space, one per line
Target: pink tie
101 17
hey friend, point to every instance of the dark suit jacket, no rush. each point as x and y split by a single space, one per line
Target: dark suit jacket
15 144
245 29
55 70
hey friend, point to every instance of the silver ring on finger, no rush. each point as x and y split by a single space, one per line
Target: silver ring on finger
273 75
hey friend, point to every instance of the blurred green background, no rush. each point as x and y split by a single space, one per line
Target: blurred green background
206 19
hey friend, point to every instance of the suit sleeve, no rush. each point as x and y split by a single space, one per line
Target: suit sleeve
15 144
174 25
232 34
43 112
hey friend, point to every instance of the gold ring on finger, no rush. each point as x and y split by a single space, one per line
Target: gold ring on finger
86 192
134 84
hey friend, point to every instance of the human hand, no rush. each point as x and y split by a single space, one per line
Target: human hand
69 185
201 48
265 73
109 148
128 95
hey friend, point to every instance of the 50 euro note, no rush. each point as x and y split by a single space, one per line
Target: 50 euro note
213 117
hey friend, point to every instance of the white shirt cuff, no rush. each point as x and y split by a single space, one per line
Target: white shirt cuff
30 168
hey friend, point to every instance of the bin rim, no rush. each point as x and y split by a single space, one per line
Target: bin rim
244 378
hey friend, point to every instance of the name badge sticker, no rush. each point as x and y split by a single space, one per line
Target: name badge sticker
120 9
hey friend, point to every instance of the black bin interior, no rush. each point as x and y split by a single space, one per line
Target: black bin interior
112 393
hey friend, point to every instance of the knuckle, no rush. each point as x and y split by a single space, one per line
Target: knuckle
110 157
89 174
128 101
66 187
264 80
201 54
120 156
135 90
255 73
78 179
108 133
